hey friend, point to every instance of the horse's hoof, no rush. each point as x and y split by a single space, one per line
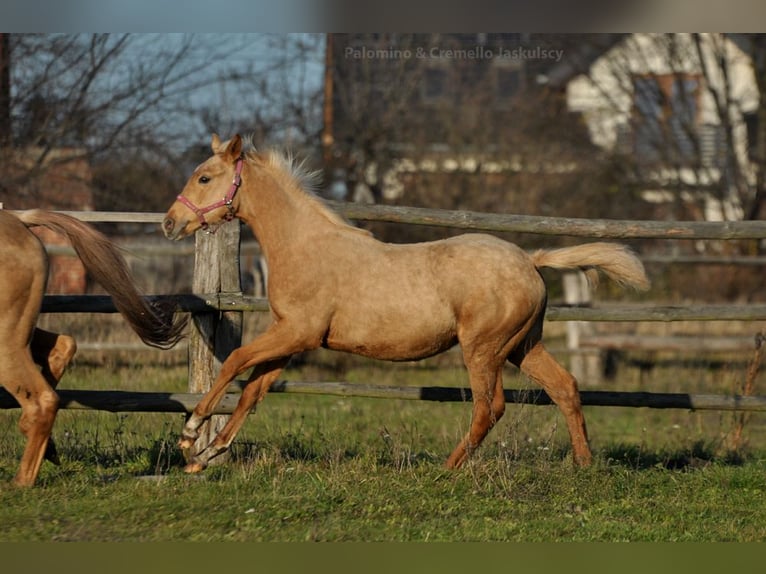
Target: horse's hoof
583 461
194 468
185 443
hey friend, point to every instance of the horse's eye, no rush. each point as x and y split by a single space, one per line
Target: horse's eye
204 179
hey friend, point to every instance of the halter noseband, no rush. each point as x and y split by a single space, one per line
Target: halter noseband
225 202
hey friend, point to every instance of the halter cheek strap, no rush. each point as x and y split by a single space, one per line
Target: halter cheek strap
225 202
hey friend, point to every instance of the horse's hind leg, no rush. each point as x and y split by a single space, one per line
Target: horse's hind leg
52 352
561 387
39 403
488 406
260 381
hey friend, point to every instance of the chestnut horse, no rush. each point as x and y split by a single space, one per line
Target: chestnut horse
22 345
333 285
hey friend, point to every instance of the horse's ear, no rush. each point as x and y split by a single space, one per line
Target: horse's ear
215 143
234 149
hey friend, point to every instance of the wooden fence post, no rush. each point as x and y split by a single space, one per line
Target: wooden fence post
585 364
214 335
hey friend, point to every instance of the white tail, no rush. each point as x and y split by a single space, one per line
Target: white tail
614 260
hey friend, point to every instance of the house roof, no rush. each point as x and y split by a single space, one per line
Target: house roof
582 50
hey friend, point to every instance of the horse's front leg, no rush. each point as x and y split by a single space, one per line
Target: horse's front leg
254 392
205 408
274 347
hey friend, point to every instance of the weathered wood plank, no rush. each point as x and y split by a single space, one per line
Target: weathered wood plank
755 312
212 302
601 228
192 303
135 401
477 221
699 344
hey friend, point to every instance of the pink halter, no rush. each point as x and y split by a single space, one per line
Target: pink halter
225 202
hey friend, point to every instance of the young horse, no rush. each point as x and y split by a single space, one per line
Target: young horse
333 285
22 345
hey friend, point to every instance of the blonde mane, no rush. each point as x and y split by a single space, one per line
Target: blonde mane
296 176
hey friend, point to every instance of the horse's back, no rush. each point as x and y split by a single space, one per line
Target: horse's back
482 266
446 272
22 282
18 245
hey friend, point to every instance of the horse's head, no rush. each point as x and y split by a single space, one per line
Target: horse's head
209 196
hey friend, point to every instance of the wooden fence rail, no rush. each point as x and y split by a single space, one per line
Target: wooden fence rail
476 221
142 401
218 295
212 302
600 228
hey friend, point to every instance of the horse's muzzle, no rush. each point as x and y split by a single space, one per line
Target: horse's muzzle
172 229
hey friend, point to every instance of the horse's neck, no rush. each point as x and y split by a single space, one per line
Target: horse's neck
281 218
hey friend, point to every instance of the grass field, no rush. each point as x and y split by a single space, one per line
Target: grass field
310 468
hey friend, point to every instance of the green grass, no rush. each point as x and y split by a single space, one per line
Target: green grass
363 499
352 469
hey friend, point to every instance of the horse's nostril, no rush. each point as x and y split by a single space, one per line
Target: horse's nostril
168 224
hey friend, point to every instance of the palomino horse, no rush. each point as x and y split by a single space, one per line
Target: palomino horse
333 285
22 345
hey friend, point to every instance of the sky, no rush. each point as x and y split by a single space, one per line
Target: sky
160 15
196 82
257 55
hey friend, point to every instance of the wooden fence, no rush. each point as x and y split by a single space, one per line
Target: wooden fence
217 306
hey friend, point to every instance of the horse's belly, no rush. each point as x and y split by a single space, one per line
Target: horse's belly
393 338
392 350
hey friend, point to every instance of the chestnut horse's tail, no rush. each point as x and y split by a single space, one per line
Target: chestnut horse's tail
616 261
155 324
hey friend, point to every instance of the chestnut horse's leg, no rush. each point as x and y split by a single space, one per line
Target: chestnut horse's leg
254 392
278 343
561 387
39 403
20 301
485 374
53 353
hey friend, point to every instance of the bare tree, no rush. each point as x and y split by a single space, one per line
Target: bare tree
5 90
276 97
375 78
683 118
675 107
89 97
755 47
455 122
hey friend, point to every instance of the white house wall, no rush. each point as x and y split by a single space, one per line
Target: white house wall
605 96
